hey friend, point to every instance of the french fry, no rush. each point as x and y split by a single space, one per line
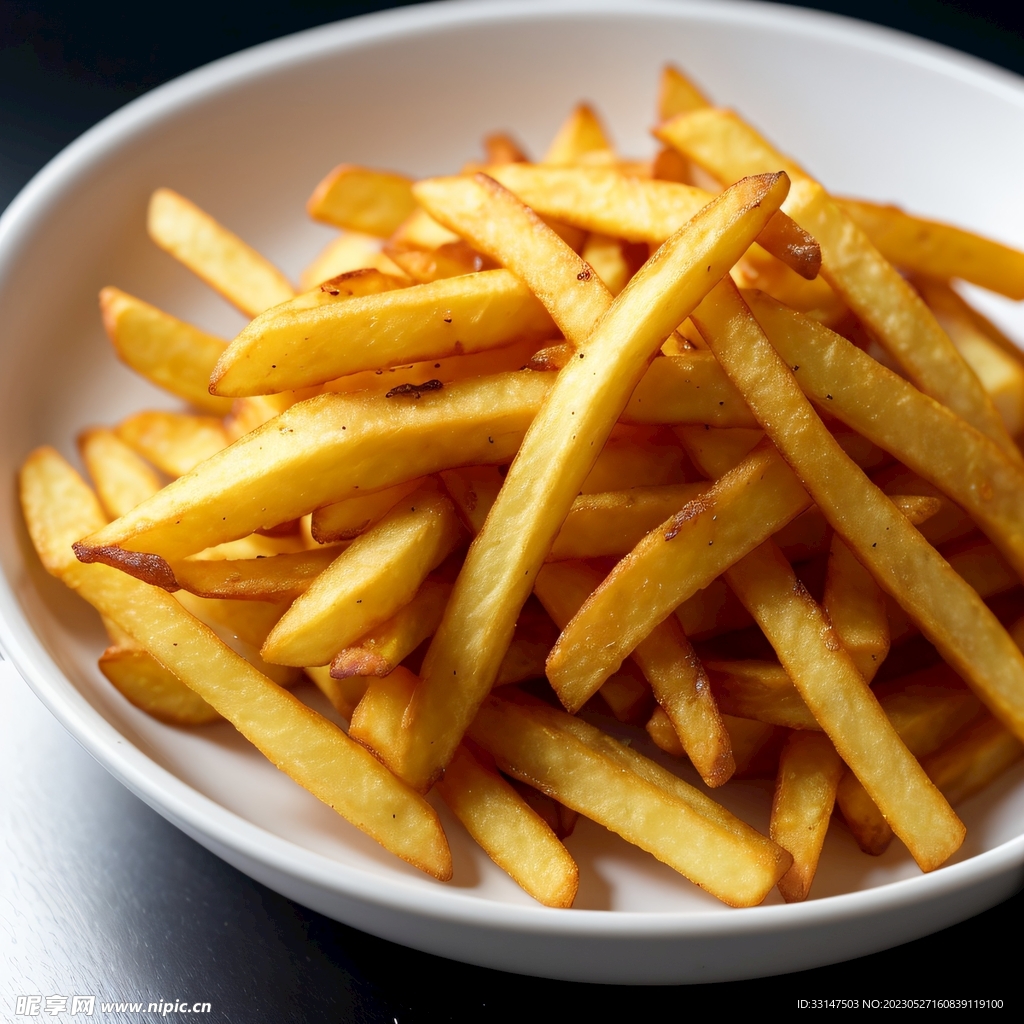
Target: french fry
172 354
453 259
375 576
973 759
315 753
541 745
760 690
293 347
867 283
601 199
122 479
213 253
351 250
344 520
359 199
712 611
684 555
580 136
926 436
513 835
677 94
380 651
938 250
945 608
174 442
805 792
344 694
587 398
502 148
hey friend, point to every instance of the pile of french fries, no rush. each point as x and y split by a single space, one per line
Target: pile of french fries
688 442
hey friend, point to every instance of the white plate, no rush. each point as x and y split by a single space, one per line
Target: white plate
872 112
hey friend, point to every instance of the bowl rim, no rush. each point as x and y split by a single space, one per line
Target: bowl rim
204 818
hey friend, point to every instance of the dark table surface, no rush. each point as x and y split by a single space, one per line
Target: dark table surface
98 894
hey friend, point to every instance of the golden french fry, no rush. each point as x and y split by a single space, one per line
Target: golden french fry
380 651
677 94
172 354
315 753
601 199
122 479
581 135
452 259
938 250
174 442
502 148
684 555
375 576
708 846
213 253
712 611
293 347
514 836
344 520
762 691
152 688
973 759
359 199
721 142
351 250
344 694
560 447
1000 371
945 608
970 468
608 258
805 792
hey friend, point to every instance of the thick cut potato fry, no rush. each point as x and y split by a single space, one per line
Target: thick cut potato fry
149 686
973 759
855 605
294 347
853 267
563 441
380 651
844 705
925 436
210 251
453 259
350 251
338 446
712 611
805 793
169 352
677 94
1000 371
122 479
607 256
514 835
281 577
315 753
669 663
174 442
536 745
344 694
938 250
359 199
762 691
373 578
638 209
344 520
945 608
581 135
684 555
925 717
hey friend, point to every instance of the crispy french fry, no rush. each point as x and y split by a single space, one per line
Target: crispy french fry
684 555
294 347
502 148
346 519
973 759
149 686
586 399
631 796
210 251
453 259
375 576
122 479
603 200
514 836
351 250
938 250
721 142
805 792
380 651
174 442
344 694
315 753
359 199
677 94
711 611
172 354
945 608
926 436
581 135
762 691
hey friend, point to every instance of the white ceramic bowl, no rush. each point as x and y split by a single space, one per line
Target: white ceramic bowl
871 112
